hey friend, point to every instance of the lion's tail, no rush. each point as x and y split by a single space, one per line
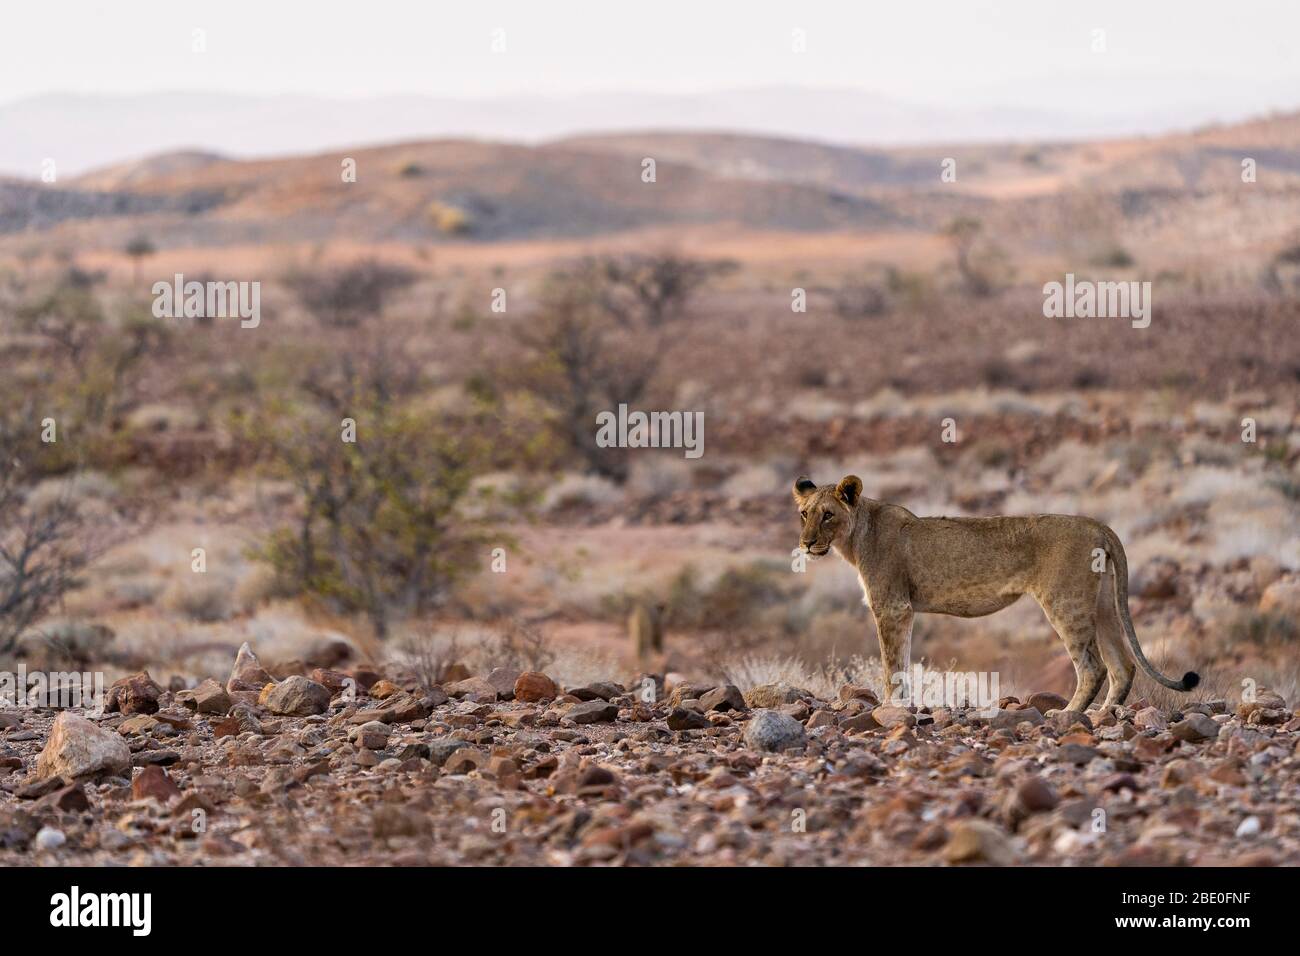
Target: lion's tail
1119 563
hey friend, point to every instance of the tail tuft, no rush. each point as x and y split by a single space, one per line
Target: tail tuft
1190 680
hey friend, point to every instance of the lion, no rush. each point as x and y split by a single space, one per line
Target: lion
970 567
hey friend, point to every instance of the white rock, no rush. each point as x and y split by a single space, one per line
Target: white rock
1248 827
48 838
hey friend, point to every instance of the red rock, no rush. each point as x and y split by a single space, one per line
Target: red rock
137 694
532 687
335 681
890 717
1035 795
153 782
1044 701
247 674
383 689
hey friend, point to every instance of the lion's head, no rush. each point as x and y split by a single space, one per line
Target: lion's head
825 511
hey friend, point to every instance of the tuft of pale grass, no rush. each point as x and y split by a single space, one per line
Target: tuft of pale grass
822 680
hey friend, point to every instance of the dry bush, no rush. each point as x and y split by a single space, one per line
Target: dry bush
984 266
342 297
430 653
45 544
521 646
741 598
205 598
598 339
863 297
378 526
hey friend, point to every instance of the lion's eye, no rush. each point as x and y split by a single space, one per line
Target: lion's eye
803 516
826 517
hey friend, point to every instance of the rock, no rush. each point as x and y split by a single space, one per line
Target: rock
977 841
153 782
1195 727
503 679
889 717
383 689
49 838
240 720
208 698
137 694
533 686
773 731
298 697
139 724
400 708
248 674
35 788
850 692
1010 719
1269 700
372 735
1063 721
726 697
1044 701
599 690
592 712
1151 718
1249 827
682 719
1077 754
860 723
464 760
687 690
821 718
1035 795
78 748
69 799
477 688
774 695
1121 781
440 748
336 681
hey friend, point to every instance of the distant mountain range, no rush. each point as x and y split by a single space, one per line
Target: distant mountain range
1148 190
82 132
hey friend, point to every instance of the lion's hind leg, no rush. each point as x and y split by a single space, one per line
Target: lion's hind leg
1075 622
1120 666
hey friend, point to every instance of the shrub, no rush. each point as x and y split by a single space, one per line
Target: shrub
343 297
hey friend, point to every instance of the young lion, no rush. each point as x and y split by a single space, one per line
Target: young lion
969 567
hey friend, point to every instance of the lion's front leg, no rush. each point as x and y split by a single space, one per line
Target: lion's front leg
894 625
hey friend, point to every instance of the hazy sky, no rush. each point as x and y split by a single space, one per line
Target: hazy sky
1228 55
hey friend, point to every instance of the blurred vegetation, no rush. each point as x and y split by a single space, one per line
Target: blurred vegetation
377 527
598 340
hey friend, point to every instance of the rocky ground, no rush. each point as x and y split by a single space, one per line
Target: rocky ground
507 768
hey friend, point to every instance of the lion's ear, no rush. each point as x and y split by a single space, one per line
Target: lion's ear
803 486
849 489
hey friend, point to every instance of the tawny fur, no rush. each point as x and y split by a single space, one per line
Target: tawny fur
1074 567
